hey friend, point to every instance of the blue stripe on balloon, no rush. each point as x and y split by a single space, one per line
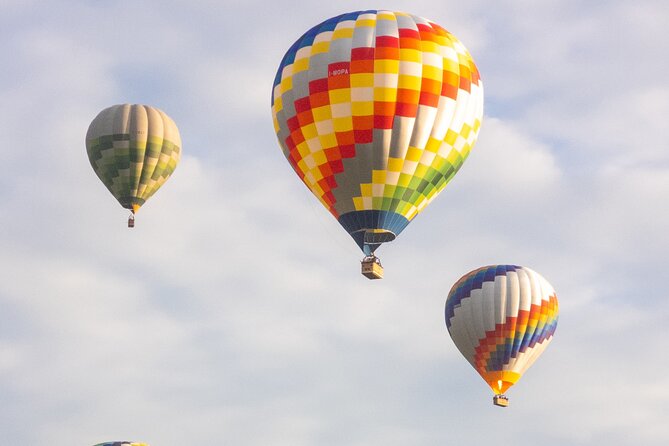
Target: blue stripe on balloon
357 221
473 281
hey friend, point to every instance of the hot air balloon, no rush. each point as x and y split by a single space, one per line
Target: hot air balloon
121 443
501 318
376 111
133 149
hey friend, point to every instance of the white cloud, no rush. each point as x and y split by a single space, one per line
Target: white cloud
506 162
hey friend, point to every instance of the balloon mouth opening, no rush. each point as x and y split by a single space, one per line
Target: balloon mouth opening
131 203
373 238
500 382
371 228
377 236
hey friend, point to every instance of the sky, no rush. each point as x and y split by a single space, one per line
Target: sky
234 312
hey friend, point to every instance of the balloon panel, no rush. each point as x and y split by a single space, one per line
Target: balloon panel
501 318
133 149
376 111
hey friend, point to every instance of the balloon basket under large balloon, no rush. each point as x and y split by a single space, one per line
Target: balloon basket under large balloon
500 400
371 267
131 221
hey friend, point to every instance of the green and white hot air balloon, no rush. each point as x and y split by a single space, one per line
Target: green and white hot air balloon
133 149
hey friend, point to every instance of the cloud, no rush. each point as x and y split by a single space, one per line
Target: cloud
507 162
623 127
235 309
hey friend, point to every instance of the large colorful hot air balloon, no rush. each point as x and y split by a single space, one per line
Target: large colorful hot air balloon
376 111
121 443
501 318
133 149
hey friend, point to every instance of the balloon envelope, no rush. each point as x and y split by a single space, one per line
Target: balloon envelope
133 149
501 318
376 111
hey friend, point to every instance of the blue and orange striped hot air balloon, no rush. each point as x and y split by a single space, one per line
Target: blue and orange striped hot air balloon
501 318
376 111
